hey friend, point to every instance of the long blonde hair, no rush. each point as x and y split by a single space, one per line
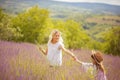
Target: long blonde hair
54 32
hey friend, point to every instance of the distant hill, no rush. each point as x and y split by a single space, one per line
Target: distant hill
94 17
60 9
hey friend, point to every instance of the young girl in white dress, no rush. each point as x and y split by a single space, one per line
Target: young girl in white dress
97 67
54 49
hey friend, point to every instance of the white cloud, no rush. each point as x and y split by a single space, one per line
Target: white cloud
115 2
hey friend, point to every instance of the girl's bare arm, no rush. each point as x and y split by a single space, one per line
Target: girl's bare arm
80 62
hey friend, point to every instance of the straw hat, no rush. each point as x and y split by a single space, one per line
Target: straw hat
97 56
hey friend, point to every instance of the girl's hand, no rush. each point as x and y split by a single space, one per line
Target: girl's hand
43 51
40 48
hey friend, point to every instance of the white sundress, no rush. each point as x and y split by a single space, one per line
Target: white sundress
54 54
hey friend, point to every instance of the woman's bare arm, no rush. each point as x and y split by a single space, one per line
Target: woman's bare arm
68 52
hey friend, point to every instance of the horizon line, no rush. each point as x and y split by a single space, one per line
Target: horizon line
87 2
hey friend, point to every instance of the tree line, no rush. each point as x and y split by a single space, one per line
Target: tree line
35 24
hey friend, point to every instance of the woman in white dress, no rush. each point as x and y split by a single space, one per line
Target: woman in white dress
54 49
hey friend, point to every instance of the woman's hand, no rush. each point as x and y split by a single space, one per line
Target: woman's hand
40 48
43 51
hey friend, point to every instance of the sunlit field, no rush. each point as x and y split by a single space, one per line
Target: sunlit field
23 61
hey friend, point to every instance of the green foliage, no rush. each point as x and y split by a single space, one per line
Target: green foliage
6 31
33 24
73 34
76 36
112 41
93 44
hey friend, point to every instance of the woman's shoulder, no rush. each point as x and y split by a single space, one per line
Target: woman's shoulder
61 43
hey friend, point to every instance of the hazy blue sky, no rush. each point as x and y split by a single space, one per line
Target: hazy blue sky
115 2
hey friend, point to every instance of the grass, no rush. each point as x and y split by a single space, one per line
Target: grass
23 61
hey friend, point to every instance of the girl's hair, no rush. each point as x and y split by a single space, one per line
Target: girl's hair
97 57
53 33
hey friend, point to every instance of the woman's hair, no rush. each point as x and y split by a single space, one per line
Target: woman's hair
98 58
53 33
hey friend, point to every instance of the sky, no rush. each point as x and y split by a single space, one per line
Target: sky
114 2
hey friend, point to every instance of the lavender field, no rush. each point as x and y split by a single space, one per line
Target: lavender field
23 61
